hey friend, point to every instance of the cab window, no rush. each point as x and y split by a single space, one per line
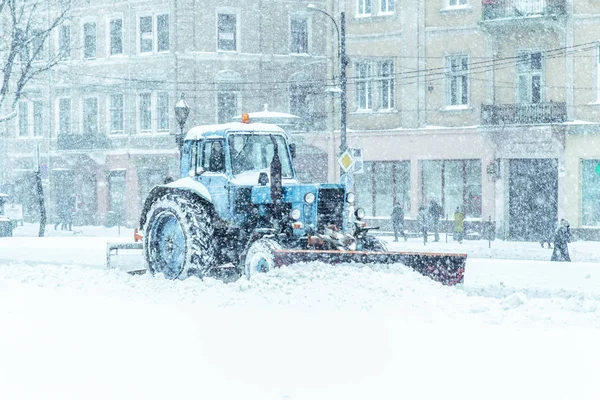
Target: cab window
213 156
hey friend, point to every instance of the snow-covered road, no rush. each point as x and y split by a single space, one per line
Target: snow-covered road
517 329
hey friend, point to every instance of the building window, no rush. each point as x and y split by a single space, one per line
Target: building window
37 44
590 192
162 111
529 77
227 32
149 34
64 42
89 40
457 80
116 196
364 7
381 185
387 85
388 6
116 37
90 116
227 106
64 116
299 35
116 113
145 112
162 29
38 118
363 86
456 3
23 118
453 183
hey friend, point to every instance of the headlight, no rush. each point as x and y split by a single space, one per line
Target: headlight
350 197
309 198
295 214
359 213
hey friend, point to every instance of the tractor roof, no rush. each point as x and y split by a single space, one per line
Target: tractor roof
222 130
3 195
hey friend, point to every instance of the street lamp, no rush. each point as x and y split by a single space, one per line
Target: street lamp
341 32
182 110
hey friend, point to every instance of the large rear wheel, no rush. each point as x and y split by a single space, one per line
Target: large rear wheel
260 257
178 239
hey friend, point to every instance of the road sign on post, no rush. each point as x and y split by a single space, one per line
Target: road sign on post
347 181
346 160
358 161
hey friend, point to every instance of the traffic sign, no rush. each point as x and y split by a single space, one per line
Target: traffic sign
346 161
358 161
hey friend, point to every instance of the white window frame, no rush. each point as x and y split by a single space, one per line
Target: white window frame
456 76
391 89
237 28
364 8
154 20
158 95
83 114
458 3
110 114
308 33
387 7
139 113
28 128
83 24
31 122
367 81
109 38
58 41
529 74
58 121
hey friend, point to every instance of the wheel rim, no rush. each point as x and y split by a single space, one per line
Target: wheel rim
260 264
168 245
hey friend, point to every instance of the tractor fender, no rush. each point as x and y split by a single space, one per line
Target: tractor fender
186 187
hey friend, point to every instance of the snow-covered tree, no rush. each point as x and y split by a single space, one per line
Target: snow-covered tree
26 27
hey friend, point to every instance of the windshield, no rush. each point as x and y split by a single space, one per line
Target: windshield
252 152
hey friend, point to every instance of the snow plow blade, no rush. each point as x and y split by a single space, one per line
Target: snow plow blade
446 268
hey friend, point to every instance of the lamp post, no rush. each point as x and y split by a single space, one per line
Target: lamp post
182 110
341 32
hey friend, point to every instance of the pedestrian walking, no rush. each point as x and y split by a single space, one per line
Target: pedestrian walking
459 225
435 213
422 221
398 222
561 239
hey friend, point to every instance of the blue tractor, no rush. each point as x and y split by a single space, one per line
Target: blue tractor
239 205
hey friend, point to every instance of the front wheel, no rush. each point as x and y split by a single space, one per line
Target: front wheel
260 257
371 243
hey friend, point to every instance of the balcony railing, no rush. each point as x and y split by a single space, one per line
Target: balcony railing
499 9
82 142
537 113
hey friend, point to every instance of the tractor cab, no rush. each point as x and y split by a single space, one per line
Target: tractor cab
6 226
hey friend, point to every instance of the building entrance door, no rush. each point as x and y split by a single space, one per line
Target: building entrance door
533 198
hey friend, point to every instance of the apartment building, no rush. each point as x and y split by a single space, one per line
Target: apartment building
103 119
486 105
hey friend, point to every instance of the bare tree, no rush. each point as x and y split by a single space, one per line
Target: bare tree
25 48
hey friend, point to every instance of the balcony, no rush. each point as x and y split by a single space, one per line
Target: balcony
82 142
523 114
511 10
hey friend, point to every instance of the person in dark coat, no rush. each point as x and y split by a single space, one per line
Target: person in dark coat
561 239
422 221
398 222
435 213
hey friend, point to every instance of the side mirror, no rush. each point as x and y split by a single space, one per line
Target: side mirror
293 149
199 171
